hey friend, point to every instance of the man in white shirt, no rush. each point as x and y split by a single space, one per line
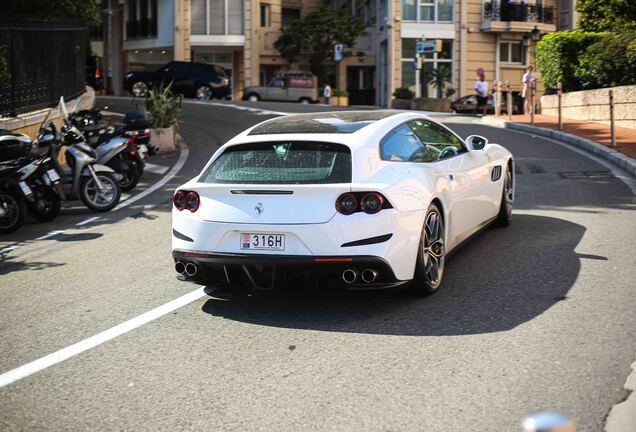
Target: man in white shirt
526 81
481 89
326 93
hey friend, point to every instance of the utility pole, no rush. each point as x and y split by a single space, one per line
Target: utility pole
109 12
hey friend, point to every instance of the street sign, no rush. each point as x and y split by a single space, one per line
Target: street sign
337 52
422 47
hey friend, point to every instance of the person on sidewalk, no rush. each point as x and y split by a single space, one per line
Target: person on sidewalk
481 90
326 93
526 91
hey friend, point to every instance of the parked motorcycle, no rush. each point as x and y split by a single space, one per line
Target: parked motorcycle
13 208
76 163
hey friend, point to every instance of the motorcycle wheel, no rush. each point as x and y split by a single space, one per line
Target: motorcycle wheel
94 198
13 211
49 208
130 177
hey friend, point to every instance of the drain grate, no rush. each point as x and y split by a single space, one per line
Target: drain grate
586 175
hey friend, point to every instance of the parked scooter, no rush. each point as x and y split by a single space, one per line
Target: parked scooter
13 208
75 162
43 191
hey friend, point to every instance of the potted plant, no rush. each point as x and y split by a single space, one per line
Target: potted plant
166 110
403 97
339 98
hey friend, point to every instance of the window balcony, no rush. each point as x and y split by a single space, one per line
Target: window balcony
516 16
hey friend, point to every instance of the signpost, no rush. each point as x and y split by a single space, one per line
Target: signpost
337 53
423 47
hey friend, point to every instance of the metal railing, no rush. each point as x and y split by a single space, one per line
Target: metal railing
45 60
504 10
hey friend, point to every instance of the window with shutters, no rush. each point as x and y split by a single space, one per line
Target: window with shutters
217 17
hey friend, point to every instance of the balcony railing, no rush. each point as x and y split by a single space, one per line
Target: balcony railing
505 10
141 28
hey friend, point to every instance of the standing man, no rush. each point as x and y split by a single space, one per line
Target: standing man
526 82
481 90
326 93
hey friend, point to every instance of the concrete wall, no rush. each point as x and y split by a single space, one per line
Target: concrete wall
593 105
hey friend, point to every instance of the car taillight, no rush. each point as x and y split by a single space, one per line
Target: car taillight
371 203
97 74
368 202
192 201
186 200
347 203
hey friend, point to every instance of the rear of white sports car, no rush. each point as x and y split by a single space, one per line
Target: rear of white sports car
278 212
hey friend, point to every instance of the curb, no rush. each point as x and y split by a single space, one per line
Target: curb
613 156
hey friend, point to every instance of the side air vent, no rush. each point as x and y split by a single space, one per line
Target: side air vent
495 173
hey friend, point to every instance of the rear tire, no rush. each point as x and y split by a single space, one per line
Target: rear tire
96 200
429 266
253 98
50 206
304 101
504 217
131 177
203 93
13 211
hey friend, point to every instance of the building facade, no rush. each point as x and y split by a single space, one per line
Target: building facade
494 37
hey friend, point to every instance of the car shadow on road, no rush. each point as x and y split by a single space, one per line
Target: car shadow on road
497 281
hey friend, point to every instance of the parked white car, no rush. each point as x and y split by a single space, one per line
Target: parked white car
356 199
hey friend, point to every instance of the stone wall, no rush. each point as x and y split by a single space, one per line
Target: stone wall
593 105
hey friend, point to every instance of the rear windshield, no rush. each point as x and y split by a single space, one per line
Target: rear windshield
281 162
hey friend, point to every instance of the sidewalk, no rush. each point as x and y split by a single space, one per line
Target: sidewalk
600 133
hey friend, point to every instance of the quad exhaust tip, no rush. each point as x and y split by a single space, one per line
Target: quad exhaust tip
191 269
349 276
369 275
179 267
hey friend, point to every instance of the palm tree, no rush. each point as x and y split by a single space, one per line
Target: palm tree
439 77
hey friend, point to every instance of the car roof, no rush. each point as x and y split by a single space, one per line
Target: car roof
336 122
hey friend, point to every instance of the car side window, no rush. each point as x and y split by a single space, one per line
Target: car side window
402 145
439 142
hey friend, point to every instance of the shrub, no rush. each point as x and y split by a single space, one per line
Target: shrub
558 57
403 93
165 108
342 93
609 62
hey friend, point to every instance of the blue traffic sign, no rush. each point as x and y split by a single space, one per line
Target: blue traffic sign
422 47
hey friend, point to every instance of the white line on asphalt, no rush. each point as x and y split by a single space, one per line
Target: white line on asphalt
124 197
87 221
8 249
241 108
98 339
155 169
183 156
49 235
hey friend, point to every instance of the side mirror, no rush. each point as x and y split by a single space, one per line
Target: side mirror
476 142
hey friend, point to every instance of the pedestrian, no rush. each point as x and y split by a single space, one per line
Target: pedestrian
326 93
526 91
481 89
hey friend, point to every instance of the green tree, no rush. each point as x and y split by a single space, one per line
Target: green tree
86 10
439 77
606 15
314 36
609 62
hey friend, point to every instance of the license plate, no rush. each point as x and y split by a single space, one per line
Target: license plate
273 242
26 190
53 175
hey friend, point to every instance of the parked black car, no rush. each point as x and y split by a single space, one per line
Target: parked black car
94 73
199 80
468 104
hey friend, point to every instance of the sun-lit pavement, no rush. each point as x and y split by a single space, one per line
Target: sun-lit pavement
538 315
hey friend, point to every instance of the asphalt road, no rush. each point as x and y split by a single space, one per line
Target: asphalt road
538 315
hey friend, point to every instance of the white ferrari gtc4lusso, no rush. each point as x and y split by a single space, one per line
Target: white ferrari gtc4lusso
356 199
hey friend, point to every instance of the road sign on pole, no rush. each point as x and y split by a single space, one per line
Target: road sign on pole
337 52
422 47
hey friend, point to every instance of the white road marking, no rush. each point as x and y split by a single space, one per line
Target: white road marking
8 249
49 235
241 108
124 197
87 221
183 156
155 169
98 339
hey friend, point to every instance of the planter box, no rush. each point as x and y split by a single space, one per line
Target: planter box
339 101
431 104
401 104
164 138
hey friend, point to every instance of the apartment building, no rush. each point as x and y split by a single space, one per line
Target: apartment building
496 37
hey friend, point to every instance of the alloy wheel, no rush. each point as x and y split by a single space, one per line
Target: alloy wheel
508 193
433 249
9 211
98 197
139 88
204 93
